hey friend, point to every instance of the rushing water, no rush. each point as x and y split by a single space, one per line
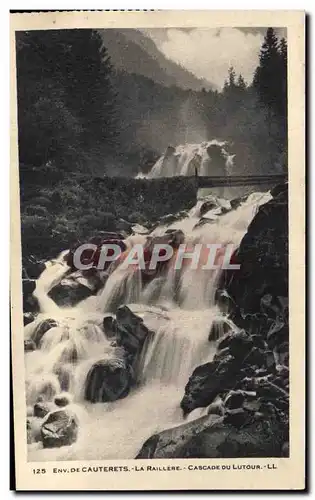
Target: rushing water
208 158
178 307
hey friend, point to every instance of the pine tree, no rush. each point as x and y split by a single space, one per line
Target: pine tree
66 102
241 84
232 77
284 77
270 83
267 78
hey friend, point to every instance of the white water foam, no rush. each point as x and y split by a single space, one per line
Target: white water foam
178 308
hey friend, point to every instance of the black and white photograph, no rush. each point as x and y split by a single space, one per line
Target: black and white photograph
153 190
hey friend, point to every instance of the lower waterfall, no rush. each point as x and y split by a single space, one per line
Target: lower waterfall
178 307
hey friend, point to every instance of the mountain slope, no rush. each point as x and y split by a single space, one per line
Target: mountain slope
133 52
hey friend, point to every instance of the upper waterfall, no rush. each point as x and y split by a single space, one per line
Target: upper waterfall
207 158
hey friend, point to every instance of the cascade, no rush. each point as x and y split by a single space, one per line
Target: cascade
208 158
177 306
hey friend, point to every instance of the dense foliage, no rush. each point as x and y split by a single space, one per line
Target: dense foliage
78 207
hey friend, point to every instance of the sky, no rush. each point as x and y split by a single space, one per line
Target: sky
208 53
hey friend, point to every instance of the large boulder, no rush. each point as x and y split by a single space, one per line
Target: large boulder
237 433
132 332
74 288
263 256
208 381
41 409
254 438
30 303
170 443
60 428
28 317
29 286
63 399
108 380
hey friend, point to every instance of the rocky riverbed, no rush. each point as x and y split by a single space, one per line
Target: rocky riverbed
242 392
246 387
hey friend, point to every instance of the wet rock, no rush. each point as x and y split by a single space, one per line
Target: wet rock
256 324
224 301
278 333
234 399
263 258
108 380
272 306
60 428
207 206
216 408
205 220
72 290
236 202
279 189
221 354
132 332
215 437
254 438
270 361
28 317
270 391
259 342
28 286
42 327
110 326
237 417
208 381
29 345
256 357
175 237
282 370
283 354
170 443
41 409
219 327
239 343
62 400
30 303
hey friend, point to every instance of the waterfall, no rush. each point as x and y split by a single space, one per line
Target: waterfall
208 158
177 306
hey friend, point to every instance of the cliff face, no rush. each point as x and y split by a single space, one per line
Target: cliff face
246 386
263 256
